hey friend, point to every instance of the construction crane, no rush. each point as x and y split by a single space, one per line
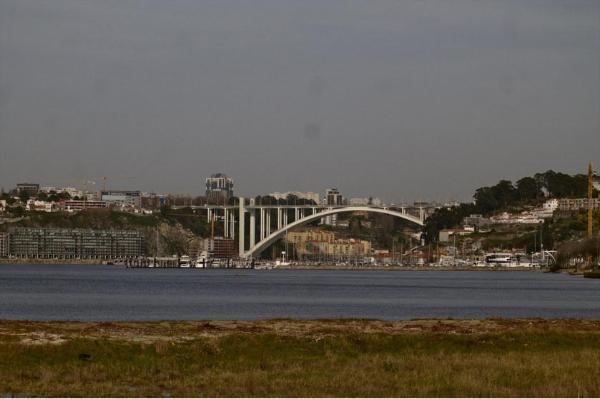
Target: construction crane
590 200
590 218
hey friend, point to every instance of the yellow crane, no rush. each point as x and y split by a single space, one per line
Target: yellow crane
590 199
590 217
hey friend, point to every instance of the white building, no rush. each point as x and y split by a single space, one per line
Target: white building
41 206
547 209
519 218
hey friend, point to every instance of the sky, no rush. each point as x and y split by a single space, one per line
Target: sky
401 100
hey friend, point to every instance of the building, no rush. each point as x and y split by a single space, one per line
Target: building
302 237
219 188
41 206
219 248
51 243
154 201
448 234
29 188
123 198
3 245
79 205
525 217
316 244
332 197
345 249
2 205
310 196
577 204
476 220
547 209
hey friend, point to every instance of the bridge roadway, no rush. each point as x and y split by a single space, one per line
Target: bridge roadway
302 214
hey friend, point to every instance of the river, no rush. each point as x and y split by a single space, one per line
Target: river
99 293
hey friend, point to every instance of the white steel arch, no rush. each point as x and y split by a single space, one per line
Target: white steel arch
260 246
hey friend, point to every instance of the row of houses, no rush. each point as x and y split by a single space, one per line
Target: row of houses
316 243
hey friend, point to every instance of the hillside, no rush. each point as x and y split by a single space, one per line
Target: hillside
175 231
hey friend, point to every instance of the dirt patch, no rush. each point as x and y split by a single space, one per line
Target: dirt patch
34 333
42 338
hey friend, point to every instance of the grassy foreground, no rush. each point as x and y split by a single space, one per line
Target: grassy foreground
301 358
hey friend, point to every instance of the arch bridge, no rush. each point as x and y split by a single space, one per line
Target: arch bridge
288 217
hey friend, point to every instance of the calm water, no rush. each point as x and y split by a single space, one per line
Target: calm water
40 292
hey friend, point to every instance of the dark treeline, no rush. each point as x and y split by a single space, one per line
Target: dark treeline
291 199
505 195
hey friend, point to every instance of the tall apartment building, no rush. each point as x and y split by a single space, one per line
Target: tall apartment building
29 188
219 188
3 245
219 248
332 197
51 243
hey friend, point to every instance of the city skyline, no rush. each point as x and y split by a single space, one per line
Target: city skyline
402 100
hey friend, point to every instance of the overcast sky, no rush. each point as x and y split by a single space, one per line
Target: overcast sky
403 100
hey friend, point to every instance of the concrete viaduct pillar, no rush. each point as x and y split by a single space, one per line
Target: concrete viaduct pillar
241 234
252 227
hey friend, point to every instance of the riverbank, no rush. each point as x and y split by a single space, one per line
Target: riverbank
407 268
33 261
496 357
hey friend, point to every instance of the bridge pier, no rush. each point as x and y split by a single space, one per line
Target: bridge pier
252 227
268 223
279 218
242 229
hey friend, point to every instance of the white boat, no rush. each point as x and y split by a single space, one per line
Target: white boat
282 263
185 261
506 260
202 260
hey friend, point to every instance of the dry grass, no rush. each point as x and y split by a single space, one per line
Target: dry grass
301 358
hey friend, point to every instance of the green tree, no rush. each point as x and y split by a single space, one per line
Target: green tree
528 189
24 196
